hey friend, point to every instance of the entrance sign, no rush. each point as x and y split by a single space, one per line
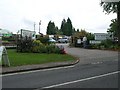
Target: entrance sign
4 56
110 0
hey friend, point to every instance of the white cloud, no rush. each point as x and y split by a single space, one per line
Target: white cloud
17 14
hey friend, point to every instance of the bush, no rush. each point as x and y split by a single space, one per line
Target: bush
106 43
24 45
44 40
36 45
52 49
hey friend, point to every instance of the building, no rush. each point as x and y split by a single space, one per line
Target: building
103 36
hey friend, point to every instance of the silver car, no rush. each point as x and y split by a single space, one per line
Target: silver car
63 40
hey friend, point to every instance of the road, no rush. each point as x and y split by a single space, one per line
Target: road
93 71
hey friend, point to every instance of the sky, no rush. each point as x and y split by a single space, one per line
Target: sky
84 14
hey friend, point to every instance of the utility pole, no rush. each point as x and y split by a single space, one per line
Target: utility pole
39 26
34 26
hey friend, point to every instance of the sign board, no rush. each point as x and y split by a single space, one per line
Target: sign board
27 33
4 56
110 0
94 42
79 41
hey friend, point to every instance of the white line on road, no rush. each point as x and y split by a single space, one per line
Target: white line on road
38 70
85 79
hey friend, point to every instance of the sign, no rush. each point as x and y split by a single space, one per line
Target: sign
110 0
4 56
79 41
28 33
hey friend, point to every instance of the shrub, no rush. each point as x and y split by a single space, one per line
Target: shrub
44 40
36 45
24 45
106 43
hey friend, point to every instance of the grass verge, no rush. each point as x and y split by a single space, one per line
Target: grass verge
18 59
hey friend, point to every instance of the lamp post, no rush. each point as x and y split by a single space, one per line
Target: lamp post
39 26
118 16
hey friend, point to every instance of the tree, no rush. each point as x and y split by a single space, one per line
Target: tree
78 30
63 25
66 27
69 27
51 28
109 7
115 8
113 27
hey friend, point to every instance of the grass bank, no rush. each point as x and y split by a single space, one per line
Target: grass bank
18 59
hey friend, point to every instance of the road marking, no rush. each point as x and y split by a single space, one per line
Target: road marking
37 71
97 63
85 79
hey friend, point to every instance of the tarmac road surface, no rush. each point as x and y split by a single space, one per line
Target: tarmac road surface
96 69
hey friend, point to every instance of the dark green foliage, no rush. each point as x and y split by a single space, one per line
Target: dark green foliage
90 36
44 40
54 49
106 44
51 28
36 46
24 45
113 27
109 7
63 26
69 27
66 27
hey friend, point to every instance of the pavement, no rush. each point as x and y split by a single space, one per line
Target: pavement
6 70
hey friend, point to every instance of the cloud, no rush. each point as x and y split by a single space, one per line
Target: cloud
17 14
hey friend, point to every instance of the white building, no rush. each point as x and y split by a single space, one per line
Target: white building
103 36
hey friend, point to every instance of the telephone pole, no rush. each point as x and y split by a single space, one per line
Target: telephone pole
39 26
34 26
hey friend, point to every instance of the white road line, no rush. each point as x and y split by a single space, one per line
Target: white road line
38 70
97 63
85 79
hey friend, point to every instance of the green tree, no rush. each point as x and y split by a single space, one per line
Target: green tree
66 27
113 27
109 7
63 25
69 27
51 28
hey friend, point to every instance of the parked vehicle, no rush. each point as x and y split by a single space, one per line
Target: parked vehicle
52 40
63 40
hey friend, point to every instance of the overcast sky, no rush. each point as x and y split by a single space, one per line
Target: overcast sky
84 14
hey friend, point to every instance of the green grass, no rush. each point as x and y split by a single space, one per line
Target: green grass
18 59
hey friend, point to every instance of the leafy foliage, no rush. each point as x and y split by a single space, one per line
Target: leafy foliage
66 27
109 7
51 28
24 45
113 27
44 40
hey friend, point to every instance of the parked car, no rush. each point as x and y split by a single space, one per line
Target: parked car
63 40
52 40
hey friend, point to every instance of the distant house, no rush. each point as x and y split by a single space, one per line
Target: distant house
103 36
100 37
